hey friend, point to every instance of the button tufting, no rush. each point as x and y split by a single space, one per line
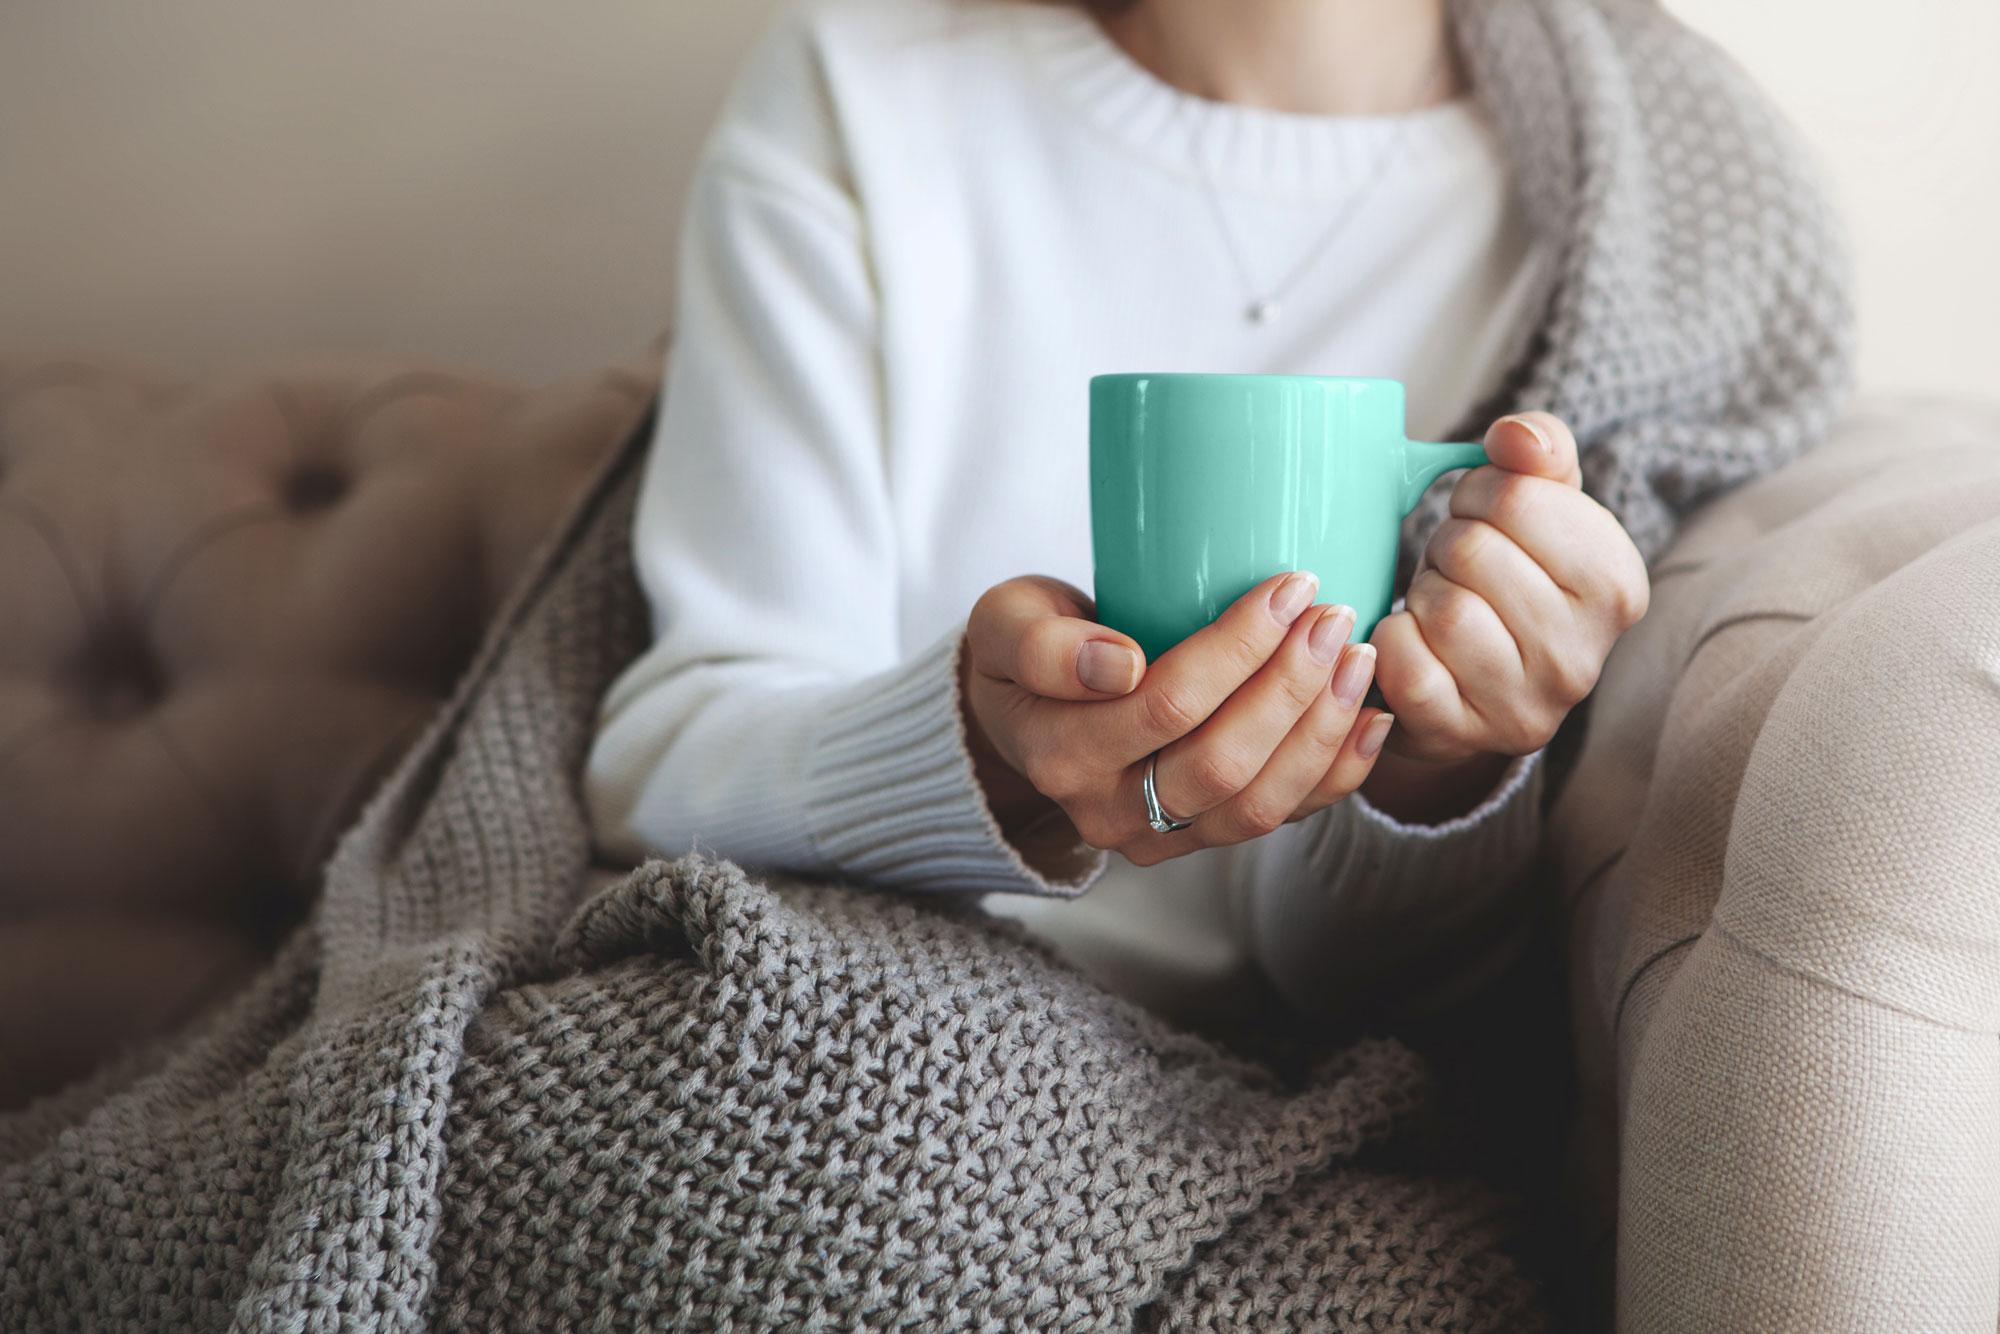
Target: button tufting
314 486
119 675
204 676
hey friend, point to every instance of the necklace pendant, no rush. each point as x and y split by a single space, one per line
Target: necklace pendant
1261 312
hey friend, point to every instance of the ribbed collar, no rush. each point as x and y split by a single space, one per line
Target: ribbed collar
1242 148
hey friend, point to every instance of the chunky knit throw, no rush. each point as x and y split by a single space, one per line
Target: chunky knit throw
471 1093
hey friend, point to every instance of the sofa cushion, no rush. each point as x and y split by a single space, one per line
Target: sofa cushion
226 605
1748 607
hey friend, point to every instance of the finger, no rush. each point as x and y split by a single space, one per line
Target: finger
1467 636
1418 688
1219 759
1482 559
1191 680
1560 656
1036 633
1577 541
1351 764
1534 444
1301 760
1503 706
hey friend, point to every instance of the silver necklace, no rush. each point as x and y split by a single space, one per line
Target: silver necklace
1263 306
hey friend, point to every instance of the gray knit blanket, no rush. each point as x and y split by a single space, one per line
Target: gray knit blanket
473 1094
479 1091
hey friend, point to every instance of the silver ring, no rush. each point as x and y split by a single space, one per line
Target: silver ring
1156 814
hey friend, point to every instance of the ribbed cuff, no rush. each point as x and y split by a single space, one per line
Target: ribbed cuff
1344 900
890 796
1415 863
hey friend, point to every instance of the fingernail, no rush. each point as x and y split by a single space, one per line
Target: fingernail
1293 596
1541 438
1372 739
1350 683
1110 668
1329 632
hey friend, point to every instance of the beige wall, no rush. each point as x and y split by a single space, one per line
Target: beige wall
1902 101
493 181
496 181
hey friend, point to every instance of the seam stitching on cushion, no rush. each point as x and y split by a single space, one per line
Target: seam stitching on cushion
412 384
1806 976
37 519
287 403
218 809
1590 882
1742 618
1658 955
193 545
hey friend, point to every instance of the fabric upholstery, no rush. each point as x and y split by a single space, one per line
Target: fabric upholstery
1780 858
226 606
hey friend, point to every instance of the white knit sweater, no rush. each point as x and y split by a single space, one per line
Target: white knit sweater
918 229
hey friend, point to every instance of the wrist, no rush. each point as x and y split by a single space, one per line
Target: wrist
1425 792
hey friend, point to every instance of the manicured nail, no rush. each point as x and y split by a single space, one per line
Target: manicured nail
1293 596
1350 683
1541 438
1329 632
1372 739
1110 668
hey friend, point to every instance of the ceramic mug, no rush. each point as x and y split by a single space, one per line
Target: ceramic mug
1202 486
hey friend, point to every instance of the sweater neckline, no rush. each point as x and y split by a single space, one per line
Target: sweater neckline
1252 150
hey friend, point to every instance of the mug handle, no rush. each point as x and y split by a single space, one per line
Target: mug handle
1424 462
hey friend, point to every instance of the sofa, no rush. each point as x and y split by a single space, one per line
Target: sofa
228 605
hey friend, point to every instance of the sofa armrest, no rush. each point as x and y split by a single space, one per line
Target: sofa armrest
1844 577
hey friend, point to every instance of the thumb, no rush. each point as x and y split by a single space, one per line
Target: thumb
1040 634
1536 444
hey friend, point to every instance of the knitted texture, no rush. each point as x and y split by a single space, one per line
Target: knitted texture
462 1096
470 1095
1700 332
818 1109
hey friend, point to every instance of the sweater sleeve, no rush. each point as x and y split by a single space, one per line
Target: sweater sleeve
1336 903
777 720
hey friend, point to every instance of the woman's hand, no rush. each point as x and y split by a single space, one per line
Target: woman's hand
1257 718
1515 605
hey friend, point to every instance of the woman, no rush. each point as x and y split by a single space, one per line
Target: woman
921 225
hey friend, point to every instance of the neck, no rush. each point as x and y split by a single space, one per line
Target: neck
1320 57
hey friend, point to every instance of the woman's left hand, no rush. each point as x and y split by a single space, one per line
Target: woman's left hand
1515 605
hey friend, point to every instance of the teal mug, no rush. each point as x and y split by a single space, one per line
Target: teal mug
1203 486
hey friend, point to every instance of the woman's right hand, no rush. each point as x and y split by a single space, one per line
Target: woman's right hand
1257 718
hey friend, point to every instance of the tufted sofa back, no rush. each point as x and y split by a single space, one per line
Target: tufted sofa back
225 608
